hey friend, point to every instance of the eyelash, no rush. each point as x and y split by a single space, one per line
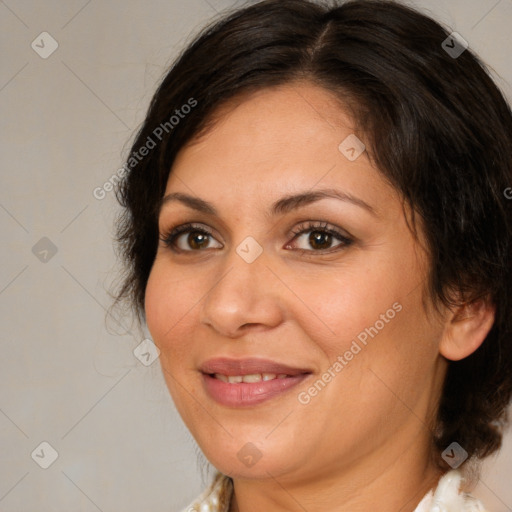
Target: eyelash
169 239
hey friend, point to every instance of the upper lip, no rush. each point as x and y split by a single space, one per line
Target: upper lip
227 366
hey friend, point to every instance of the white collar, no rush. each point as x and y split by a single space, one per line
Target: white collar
446 498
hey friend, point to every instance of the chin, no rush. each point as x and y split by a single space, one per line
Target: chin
248 460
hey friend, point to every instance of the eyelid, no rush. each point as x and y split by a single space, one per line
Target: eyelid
320 225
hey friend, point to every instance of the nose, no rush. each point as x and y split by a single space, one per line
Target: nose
246 296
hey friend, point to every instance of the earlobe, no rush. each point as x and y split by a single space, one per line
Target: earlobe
466 329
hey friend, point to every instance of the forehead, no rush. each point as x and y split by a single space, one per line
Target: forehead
284 138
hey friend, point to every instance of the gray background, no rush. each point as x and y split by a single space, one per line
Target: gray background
65 379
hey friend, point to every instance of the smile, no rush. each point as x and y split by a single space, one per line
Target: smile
254 377
248 390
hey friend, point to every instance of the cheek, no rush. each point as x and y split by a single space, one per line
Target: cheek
370 315
172 306
390 359
156 305
169 307
335 307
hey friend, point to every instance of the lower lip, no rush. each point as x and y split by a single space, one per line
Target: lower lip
242 394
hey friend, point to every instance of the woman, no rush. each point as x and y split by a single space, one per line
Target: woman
317 236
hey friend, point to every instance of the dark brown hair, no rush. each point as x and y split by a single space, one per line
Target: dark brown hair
436 126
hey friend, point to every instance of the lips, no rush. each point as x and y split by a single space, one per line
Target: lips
248 382
250 366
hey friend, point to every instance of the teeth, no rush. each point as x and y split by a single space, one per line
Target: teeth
254 377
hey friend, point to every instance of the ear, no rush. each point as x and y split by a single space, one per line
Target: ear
466 329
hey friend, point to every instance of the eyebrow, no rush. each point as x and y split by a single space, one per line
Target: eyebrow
281 206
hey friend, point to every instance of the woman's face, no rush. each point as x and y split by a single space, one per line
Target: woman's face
327 284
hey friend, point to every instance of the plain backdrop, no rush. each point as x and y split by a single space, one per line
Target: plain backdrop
66 120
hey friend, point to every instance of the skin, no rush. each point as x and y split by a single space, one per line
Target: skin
362 443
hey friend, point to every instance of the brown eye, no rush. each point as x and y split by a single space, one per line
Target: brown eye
320 240
196 239
317 238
